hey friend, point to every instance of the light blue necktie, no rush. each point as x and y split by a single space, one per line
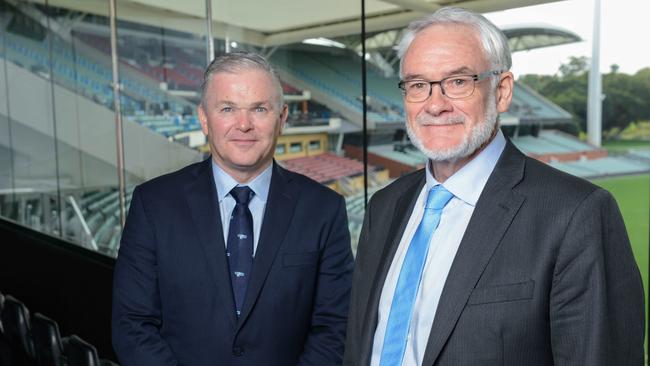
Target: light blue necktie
401 309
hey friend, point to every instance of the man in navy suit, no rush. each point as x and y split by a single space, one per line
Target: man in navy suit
234 260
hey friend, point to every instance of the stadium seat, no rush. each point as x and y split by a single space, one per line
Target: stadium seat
47 341
15 320
81 353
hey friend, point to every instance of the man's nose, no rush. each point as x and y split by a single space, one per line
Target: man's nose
437 102
244 120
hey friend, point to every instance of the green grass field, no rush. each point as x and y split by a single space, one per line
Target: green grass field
625 145
633 196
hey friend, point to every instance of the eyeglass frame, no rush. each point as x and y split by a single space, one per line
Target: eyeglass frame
475 78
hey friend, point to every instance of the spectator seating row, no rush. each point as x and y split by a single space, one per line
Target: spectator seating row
603 167
326 167
102 212
151 56
34 340
338 83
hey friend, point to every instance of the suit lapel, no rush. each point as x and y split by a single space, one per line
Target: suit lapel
204 208
400 217
495 210
280 206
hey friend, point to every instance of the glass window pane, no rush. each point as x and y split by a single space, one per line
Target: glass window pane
160 75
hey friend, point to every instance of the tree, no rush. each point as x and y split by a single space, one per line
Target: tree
626 96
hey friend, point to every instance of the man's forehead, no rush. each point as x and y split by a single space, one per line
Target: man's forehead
447 49
256 75
246 82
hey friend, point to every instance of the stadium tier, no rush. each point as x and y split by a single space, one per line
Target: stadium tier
325 168
529 107
87 72
551 142
603 167
338 84
640 154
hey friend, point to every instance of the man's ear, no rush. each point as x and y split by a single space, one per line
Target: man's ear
203 119
504 91
283 116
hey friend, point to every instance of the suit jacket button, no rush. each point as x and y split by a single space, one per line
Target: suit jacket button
238 351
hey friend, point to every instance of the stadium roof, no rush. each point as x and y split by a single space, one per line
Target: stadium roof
247 21
524 37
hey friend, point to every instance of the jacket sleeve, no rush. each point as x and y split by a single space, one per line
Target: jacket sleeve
325 341
355 337
136 318
596 300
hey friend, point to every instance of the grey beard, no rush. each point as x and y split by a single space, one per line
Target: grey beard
471 142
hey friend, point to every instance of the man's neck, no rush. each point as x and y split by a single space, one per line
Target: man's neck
243 176
444 169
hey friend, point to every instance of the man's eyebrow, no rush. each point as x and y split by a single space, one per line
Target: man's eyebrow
261 103
414 77
463 70
251 104
225 102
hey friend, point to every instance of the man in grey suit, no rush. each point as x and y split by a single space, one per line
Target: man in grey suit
486 257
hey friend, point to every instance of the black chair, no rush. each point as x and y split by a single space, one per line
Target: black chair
2 305
5 350
15 320
81 353
47 341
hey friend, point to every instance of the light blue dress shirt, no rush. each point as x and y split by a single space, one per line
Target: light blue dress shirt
466 185
260 185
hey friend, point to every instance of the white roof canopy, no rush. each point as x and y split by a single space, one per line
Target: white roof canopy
278 22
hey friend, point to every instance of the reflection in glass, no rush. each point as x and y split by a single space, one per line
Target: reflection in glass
58 171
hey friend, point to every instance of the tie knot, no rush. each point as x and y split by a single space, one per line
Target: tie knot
438 198
242 194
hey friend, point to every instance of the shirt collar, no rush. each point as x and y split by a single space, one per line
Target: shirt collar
225 183
467 183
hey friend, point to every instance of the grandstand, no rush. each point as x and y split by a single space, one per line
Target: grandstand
153 77
604 167
161 72
553 146
86 71
89 217
342 174
356 206
640 154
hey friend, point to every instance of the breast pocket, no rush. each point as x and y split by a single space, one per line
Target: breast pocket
502 293
299 259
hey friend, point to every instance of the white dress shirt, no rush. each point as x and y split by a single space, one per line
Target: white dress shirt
260 185
466 185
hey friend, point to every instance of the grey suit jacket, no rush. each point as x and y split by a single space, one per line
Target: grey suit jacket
544 274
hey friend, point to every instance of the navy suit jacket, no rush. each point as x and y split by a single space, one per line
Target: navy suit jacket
172 297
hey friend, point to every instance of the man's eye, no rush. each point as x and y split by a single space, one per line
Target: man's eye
227 109
458 82
261 109
418 85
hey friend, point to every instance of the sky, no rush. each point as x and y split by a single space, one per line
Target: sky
621 38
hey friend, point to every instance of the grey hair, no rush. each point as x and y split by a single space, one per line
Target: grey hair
237 62
495 43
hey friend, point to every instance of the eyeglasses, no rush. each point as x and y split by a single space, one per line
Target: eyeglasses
453 87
